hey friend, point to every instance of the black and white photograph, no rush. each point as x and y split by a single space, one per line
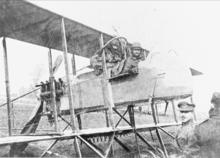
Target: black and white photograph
110 79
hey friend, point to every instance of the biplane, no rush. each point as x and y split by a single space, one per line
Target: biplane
161 77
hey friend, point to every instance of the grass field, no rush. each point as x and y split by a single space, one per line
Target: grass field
65 148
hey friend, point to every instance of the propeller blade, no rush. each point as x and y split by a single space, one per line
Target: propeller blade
57 63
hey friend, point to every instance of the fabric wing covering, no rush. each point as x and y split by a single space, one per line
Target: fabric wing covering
27 22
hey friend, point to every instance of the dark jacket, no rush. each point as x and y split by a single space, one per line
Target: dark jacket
208 136
185 140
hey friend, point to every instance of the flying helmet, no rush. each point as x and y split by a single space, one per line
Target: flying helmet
136 45
115 48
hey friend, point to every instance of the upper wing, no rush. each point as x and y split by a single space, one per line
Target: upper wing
27 22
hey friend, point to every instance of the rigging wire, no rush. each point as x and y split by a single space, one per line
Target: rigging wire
51 37
8 27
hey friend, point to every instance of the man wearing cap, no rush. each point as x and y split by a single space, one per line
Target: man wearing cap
208 132
131 63
185 138
136 50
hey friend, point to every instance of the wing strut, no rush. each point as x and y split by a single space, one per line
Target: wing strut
72 111
7 86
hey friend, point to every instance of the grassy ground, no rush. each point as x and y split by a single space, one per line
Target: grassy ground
65 148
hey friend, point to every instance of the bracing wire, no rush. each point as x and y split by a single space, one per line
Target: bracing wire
8 27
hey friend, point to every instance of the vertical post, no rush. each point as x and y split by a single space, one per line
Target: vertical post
132 121
64 44
13 115
79 121
151 101
53 90
108 86
72 111
74 73
167 103
105 73
154 111
157 113
7 85
73 65
174 111
106 118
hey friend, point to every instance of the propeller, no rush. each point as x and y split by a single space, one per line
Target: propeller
57 63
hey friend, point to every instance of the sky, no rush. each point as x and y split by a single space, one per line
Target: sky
190 28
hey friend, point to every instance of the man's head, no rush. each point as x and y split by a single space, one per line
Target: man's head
136 49
216 99
115 44
186 111
115 49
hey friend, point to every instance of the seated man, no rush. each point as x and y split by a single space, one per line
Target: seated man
128 62
119 58
114 55
131 63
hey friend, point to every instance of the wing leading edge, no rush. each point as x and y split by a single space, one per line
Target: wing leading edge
27 22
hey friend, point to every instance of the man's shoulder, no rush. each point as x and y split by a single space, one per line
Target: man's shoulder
201 128
202 125
202 122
